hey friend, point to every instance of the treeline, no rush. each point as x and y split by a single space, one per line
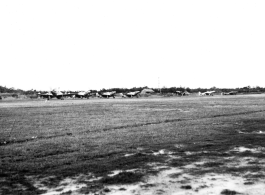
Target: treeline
16 91
163 90
246 89
10 90
123 90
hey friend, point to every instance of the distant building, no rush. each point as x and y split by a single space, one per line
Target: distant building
147 91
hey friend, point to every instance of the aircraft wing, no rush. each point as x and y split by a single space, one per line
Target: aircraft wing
133 93
46 94
67 94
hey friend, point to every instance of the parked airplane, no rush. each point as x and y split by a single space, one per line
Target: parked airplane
206 93
83 94
230 93
179 93
61 95
184 93
108 94
56 94
133 94
47 95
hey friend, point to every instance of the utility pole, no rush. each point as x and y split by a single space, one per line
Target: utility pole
159 86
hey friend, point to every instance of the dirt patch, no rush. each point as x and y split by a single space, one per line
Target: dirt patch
123 178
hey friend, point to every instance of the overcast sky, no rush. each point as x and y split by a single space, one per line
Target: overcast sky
81 45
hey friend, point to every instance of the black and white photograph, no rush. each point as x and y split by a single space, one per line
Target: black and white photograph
142 97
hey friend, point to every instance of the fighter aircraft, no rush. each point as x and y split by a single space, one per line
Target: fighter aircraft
55 94
132 94
61 95
47 95
207 93
83 94
108 94
182 93
179 93
230 93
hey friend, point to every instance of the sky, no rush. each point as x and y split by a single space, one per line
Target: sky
82 45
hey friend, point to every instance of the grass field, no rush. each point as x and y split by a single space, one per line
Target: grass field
173 145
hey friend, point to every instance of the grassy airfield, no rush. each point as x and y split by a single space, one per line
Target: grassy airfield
178 145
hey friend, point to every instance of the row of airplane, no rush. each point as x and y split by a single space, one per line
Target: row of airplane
61 95
87 94
211 93
113 93
185 93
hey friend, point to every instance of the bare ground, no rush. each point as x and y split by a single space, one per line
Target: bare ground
187 145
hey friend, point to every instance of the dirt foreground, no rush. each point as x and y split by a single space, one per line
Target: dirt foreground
160 146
